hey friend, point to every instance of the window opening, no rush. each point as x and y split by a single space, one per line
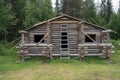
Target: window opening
37 38
93 36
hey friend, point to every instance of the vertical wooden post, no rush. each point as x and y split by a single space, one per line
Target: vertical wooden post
21 49
47 52
79 35
102 37
109 52
22 38
82 54
26 38
48 40
49 33
108 37
82 35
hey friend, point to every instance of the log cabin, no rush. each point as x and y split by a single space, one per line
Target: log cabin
65 36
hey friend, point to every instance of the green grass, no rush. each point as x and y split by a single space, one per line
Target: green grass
93 68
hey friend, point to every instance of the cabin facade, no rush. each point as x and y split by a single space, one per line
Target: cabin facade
65 36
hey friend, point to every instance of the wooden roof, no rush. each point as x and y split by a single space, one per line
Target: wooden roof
63 15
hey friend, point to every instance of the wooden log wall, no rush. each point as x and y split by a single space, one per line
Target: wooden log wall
72 38
93 30
56 33
40 30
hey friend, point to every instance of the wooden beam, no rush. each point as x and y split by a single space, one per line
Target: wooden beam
102 37
35 44
26 38
82 56
107 31
88 36
22 38
79 36
109 51
71 22
43 38
22 31
80 45
49 32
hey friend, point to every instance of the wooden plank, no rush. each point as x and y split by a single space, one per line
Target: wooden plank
26 37
58 22
93 54
107 31
35 44
94 44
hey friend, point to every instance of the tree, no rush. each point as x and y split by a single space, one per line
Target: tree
115 25
57 8
109 10
7 19
119 7
90 11
73 8
36 11
106 10
103 9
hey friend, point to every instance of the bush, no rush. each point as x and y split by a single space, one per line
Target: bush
6 49
116 43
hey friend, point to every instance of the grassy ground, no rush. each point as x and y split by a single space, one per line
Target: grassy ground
94 68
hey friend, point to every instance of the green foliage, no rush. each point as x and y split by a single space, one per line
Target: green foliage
106 10
11 69
90 10
6 19
114 24
116 43
72 7
37 11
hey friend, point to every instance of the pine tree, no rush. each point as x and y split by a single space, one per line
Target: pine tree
109 10
73 7
119 7
37 11
103 9
57 8
6 19
90 11
17 7
106 10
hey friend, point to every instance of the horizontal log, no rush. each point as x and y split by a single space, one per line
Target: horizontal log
51 54
100 54
93 54
104 31
82 45
35 44
71 22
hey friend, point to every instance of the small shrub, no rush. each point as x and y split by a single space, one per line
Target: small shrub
116 43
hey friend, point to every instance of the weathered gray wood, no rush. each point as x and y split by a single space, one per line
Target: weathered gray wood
76 31
95 44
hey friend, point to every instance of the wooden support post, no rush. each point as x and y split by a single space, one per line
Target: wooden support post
82 36
26 38
49 33
82 54
21 54
79 36
22 38
109 52
48 40
108 37
102 37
